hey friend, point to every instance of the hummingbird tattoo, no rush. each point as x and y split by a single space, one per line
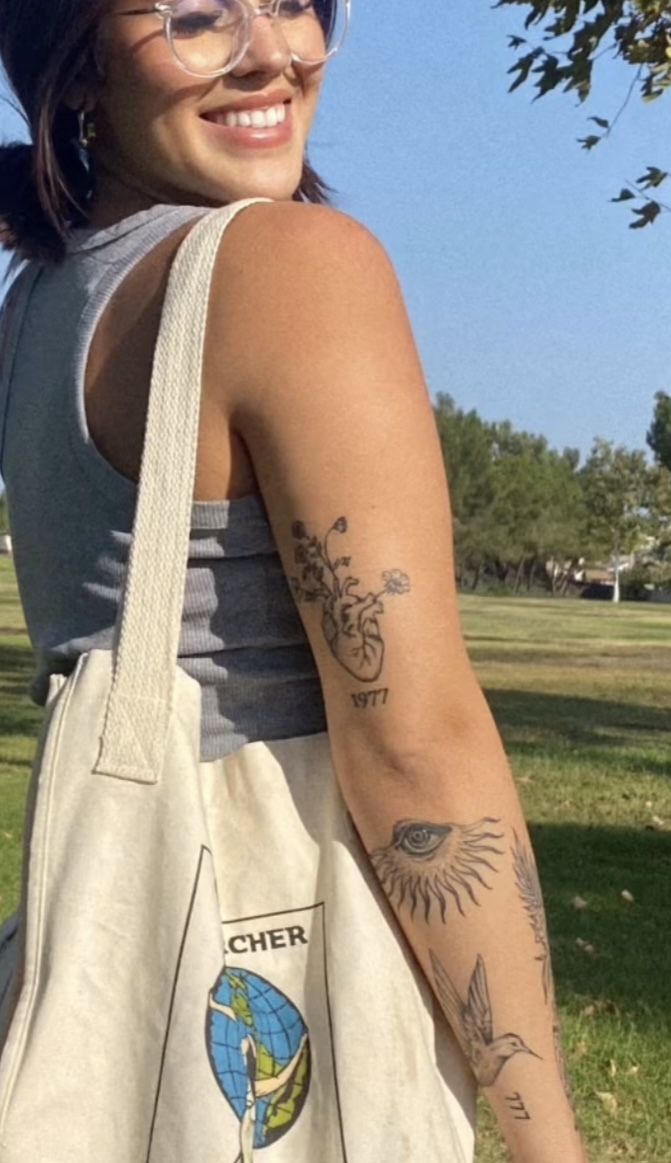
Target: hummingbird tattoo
473 1024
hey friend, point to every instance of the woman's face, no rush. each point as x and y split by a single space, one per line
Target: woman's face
164 135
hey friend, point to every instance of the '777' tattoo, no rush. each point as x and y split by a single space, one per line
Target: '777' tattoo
350 617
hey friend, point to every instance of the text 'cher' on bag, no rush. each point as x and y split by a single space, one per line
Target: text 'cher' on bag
204 969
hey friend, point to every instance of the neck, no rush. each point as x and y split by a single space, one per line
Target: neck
113 200
116 198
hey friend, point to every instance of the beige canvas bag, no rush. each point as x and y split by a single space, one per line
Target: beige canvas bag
205 970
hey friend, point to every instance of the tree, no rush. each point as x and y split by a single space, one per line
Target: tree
517 504
659 433
466 442
575 34
619 488
537 513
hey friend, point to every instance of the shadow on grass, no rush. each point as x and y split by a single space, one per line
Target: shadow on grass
577 721
18 716
628 972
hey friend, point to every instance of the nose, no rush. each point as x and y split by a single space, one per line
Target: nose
268 51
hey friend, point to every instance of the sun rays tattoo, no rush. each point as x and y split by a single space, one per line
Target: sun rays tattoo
529 888
350 617
426 864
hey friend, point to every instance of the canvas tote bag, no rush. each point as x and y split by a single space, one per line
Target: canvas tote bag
204 969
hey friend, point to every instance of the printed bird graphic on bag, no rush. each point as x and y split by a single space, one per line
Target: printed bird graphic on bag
248 1121
259 1049
473 1024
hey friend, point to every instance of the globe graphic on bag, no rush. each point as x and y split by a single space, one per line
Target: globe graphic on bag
259 1050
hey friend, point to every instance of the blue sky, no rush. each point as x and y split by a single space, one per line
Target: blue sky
531 299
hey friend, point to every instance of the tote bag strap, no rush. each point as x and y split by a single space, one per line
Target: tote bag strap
150 615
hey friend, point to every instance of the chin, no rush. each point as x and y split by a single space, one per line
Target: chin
274 192
273 178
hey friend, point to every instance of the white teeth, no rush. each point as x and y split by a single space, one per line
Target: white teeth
252 118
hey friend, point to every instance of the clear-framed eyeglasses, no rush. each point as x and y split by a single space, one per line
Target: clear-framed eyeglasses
209 38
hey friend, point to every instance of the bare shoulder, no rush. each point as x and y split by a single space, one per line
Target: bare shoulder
278 235
299 291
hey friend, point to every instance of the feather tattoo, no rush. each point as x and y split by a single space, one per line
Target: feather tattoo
529 888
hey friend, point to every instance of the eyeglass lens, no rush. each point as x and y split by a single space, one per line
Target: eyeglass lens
210 36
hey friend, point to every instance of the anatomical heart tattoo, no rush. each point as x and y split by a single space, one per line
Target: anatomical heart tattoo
350 616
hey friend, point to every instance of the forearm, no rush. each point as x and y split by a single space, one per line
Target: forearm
446 836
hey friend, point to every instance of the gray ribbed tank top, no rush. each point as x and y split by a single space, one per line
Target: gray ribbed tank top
71 514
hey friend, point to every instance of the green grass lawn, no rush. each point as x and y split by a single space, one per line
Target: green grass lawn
582 693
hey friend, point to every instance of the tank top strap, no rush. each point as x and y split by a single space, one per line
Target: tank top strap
99 261
12 316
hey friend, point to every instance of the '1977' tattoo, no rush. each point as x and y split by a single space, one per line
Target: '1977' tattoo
350 617
364 699
425 863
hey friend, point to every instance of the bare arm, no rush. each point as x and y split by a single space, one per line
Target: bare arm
326 389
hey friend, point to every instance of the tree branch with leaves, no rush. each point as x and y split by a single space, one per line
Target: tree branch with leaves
564 41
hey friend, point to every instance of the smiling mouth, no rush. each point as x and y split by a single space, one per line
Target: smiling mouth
268 118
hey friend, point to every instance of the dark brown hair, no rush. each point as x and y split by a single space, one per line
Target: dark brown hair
47 185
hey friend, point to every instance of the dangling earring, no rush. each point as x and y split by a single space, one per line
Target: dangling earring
87 130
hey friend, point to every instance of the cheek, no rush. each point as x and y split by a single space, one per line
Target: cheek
144 79
312 89
147 105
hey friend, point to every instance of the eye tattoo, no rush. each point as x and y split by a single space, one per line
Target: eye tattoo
427 863
350 616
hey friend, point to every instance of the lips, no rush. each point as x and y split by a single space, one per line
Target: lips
256 123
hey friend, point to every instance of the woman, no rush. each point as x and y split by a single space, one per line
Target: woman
318 454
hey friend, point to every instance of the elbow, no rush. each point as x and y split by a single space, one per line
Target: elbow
460 741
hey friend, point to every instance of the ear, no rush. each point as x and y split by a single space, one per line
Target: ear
82 94
79 98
